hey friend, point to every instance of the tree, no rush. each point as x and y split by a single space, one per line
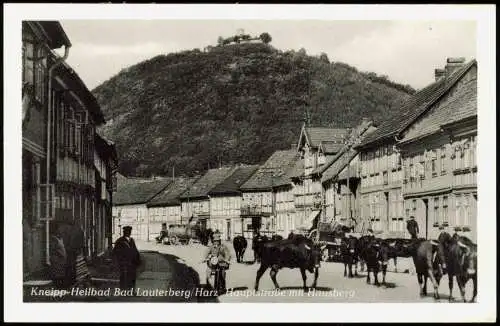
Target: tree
266 38
220 41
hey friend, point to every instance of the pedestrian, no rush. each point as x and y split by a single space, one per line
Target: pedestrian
412 227
128 259
58 257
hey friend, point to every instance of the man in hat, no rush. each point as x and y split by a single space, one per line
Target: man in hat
412 227
128 258
219 250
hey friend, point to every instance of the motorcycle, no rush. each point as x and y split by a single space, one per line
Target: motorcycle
217 268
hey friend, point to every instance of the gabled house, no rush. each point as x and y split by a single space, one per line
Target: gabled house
195 201
439 154
284 199
340 179
316 146
382 153
225 202
39 38
258 209
130 207
165 208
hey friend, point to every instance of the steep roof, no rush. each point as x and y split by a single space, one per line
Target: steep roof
463 105
207 182
131 193
56 36
170 195
315 135
272 171
231 185
414 107
357 135
336 167
330 147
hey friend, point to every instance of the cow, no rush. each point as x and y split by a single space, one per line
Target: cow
430 262
240 245
257 242
362 244
375 255
399 248
462 264
298 252
349 250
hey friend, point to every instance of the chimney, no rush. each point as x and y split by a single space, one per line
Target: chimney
452 64
439 73
294 146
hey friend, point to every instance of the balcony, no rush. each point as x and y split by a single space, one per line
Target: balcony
255 211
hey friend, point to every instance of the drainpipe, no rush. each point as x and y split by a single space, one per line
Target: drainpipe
49 147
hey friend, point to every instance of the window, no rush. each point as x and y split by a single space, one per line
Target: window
40 73
466 153
28 63
386 178
443 160
436 210
444 212
434 167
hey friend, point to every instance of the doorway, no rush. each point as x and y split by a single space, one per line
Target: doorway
426 216
386 202
228 230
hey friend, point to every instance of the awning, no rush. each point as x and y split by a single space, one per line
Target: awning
309 222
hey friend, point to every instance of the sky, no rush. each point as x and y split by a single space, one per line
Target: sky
406 51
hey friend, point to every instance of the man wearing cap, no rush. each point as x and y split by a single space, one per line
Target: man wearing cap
219 250
128 258
412 227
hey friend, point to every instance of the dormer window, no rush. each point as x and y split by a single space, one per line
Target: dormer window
321 159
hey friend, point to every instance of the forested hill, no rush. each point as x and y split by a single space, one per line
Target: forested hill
235 103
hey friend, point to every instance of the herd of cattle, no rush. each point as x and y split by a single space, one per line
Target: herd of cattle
453 255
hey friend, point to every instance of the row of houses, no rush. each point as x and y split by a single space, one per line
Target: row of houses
67 167
421 163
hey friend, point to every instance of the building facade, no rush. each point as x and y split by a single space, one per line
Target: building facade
38 39
101 227
439 157
130 208
393 190
258 206
316 146
165 208
60 116
195 201
225 203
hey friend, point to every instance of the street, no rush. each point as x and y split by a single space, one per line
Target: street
332 285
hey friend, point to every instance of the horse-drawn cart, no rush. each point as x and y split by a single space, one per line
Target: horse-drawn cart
178 234
331 235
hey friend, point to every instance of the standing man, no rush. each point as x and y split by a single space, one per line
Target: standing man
128 258
412 227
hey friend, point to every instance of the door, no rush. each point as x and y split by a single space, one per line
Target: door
387 213
424 227
228 230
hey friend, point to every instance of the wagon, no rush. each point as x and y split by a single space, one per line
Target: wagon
331 235
180 234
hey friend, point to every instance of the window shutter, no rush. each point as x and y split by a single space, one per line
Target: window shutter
47 206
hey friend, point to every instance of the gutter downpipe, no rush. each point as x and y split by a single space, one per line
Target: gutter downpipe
49 147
